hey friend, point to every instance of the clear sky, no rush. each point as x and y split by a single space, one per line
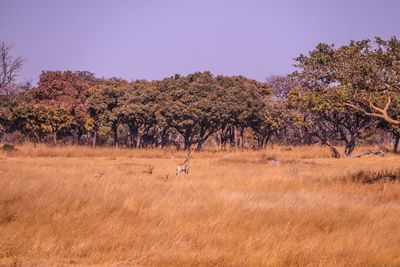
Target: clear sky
153 39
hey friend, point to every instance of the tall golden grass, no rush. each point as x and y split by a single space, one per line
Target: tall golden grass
276 207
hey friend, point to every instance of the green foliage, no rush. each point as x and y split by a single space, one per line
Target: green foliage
364 70
334 80
325 100
191 105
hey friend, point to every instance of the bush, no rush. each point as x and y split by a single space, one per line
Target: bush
371 177
8 148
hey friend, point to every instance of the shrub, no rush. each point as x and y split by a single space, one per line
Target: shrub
371 177
8 148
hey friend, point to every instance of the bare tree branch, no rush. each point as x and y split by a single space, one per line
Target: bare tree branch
9 66
380 113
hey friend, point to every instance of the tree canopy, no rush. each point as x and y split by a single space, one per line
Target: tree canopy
337 96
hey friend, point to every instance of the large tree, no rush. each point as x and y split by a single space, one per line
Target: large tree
267 120
362 74
368 71
139 111
64 94
327 120
243 101
191 106
105 106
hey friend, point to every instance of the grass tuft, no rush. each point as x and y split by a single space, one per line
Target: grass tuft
374 176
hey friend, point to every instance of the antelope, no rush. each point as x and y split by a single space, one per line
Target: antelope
184 167
149 170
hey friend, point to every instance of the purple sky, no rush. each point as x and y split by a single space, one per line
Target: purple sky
154 39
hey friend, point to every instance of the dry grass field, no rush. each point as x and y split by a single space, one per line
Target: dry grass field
76 206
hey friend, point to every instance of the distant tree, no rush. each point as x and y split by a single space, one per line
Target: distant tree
267 120
191 106
105 106
64 92
138 111
374 80
332 99
354 78
367 71
243 99
31 120
9 68
8 103
328 119
281 85
87 76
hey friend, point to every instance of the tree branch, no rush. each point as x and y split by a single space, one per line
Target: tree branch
380 113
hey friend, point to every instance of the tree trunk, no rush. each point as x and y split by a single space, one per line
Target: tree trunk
37 137
264 140
164 137
78 137
133 132
55 138
232 136
228 137
350 147
261 142
226 134
335 153
187 146
200 145
396 144
115 135
187 141
219 139
267 139
241 137
94 139
235 138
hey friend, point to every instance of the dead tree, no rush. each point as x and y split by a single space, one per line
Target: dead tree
9 68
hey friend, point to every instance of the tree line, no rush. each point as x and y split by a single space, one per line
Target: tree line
337 96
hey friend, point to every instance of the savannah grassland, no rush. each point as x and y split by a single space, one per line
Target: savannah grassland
81 206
